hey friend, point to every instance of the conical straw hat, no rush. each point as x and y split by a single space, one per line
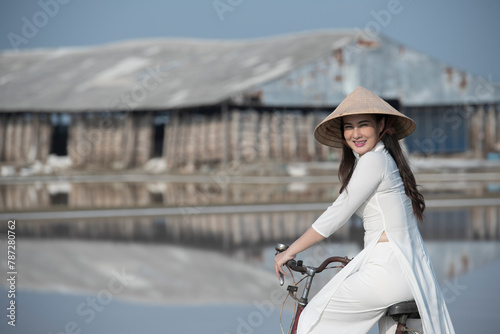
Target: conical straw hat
360 101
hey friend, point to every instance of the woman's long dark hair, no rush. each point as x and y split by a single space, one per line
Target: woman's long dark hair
346 169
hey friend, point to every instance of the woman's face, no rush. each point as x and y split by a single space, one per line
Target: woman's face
361 132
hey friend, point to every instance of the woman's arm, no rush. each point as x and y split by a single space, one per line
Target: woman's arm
309 238
368 174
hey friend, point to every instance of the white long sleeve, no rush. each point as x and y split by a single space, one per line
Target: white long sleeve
377 194
369 172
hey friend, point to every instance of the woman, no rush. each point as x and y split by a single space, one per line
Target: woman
378 185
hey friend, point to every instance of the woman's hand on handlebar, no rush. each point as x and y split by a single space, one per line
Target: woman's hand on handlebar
280 260
309 238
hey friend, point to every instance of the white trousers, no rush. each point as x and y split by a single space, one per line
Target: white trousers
363 298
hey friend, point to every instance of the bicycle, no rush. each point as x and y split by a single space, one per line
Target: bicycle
400 312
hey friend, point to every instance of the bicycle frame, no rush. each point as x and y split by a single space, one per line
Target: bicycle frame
302 302
310 272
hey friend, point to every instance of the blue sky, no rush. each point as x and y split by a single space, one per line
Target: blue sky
461 33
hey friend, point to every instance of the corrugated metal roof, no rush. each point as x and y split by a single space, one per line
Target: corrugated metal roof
387 68
306 69
153 74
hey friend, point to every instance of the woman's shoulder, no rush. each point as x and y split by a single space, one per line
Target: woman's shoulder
373 162
374 157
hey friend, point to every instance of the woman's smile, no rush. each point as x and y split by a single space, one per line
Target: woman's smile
359 143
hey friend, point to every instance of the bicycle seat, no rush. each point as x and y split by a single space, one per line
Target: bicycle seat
409 307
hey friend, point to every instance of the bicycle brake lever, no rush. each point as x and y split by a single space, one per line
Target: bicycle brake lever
281 248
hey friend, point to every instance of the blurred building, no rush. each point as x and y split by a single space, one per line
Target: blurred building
190 103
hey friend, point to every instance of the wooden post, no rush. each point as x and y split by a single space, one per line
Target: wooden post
288 136
309 136
10 138
179 154
490 129
190 143
18 141
73 124
171 140
216 138
95 139
226 130
207 135
477 132
201 136
264 144
296 119
101 144
197 146
497 127
274 136
144 138
253 123
497 225
130 134
235 135
117 142
181 149
27 138
84 143
108 129
278 130
34 139
45 135
112 126
248 136
3 135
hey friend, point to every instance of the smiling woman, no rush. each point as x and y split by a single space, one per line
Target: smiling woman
379 186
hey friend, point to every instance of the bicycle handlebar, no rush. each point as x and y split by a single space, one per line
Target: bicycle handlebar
297 266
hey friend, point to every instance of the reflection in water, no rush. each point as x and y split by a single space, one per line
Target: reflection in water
120 194
227 232
65 195
237 234
459 240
